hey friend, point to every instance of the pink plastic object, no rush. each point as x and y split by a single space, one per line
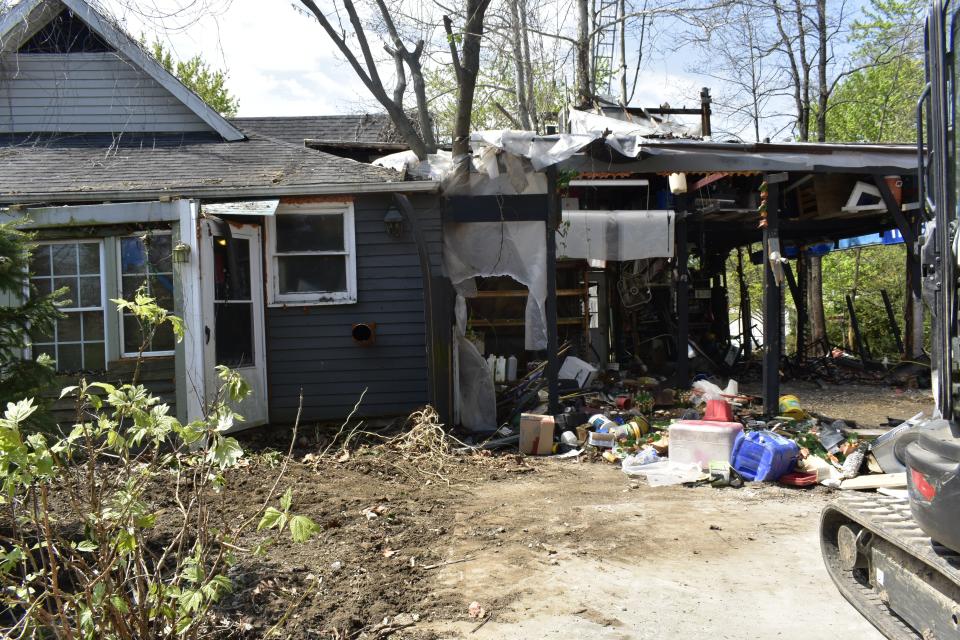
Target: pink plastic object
718 411
702 441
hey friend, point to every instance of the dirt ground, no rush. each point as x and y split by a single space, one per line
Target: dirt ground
548 548
866 405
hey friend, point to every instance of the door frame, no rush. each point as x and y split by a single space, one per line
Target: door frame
256 375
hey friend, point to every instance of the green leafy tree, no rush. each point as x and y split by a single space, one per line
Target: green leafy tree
24 315
877 102
208 83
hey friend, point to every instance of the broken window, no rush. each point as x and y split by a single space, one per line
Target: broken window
146 260
77 342
312 257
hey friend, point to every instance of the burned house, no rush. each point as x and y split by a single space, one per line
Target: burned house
627 225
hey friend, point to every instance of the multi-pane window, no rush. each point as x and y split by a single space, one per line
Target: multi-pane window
312 257
77 342
146 260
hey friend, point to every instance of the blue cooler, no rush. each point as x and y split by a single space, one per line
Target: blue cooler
763 456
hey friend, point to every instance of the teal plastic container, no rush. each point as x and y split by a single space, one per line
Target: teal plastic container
763 456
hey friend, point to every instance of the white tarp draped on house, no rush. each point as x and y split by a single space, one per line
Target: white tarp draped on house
515 249
616 235
471 249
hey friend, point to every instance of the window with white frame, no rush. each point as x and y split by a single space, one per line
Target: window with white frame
311 255
146 260
78 341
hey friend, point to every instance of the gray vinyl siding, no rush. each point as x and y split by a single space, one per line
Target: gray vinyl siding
86 93
311 347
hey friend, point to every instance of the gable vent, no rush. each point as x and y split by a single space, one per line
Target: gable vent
66 33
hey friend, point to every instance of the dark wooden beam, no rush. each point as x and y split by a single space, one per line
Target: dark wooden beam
862 350
531 208
772 301
893 208
892 320
552 224
683 296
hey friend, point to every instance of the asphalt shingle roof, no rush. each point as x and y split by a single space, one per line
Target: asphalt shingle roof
367 129
54 167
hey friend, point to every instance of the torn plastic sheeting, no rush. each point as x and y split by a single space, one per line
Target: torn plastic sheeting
665 472
542 152
616 235
515 249
478 398
584 122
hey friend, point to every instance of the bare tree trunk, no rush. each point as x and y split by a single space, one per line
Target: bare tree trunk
804 71
823 55
422 142
528 66
786 42
818 323
468 65
622 10
584 84
520 70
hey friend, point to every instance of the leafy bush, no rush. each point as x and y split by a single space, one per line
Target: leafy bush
24 314
82 553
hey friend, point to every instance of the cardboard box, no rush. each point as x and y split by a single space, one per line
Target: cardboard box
536 434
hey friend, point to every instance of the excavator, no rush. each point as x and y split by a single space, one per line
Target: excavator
898 560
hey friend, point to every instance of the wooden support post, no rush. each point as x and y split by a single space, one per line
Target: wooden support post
552 224
892 320
772 300
683 296
862 350
803 322
913 311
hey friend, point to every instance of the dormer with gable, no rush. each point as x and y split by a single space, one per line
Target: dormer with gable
65 68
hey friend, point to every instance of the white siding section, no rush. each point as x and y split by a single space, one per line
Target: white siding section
86 93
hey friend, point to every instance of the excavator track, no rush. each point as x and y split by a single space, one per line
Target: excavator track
905 584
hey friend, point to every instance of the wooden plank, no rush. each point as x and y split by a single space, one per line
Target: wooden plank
875 481
523 293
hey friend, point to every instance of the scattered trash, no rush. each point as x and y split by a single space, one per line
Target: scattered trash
602 440
724 475
645 457
667 472
536 434
799 478
789 406
701 441
761 456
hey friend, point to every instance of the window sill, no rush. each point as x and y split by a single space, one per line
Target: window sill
306 302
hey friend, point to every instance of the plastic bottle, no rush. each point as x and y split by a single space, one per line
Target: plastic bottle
501 370
492 366
511 368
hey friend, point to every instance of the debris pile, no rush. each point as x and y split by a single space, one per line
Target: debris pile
706 434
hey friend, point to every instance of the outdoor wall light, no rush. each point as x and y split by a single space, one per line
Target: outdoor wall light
181 253
393 221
